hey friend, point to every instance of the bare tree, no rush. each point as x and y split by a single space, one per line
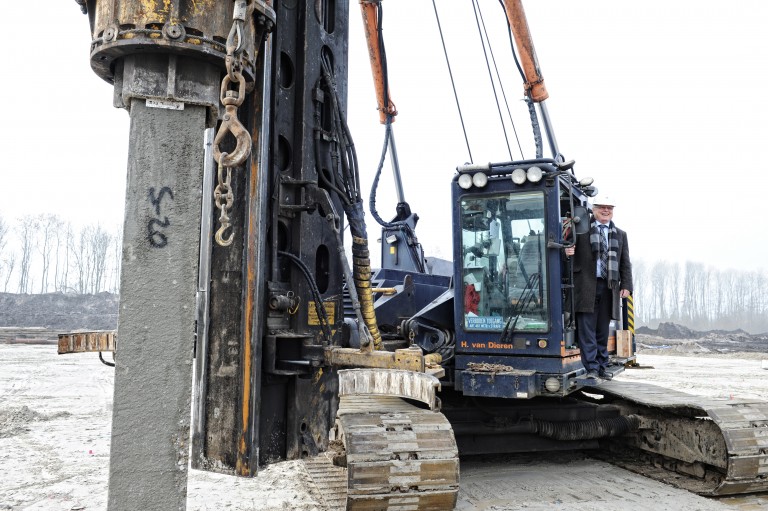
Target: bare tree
659 283
26 229
8 264
60 244
89 253
7 259
740 293
705 293
81 261
728 304
66 240
47 225
758 308
4 232
99 241
674 279
691 283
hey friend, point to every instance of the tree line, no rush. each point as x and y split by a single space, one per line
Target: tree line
700 297
44 253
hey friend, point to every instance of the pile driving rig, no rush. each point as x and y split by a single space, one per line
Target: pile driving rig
299 352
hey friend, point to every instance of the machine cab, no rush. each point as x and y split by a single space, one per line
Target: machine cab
515 337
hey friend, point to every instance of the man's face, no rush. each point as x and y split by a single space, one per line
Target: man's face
603 214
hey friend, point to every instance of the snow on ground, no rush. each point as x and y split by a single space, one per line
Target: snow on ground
55 419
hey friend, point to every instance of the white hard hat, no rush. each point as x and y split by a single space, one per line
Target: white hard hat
603 200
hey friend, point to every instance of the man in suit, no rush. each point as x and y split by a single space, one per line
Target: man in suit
602 275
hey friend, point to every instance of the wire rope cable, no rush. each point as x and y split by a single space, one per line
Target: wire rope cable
531 108
453 83
501 83
490 76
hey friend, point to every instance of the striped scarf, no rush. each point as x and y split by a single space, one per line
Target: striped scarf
613 250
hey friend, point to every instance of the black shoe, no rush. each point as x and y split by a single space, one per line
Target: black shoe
605 375
592 375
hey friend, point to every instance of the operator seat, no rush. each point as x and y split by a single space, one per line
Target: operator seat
528 262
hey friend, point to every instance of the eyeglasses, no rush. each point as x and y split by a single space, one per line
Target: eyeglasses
609 208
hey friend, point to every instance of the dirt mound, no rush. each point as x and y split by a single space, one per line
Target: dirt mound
59 311
669 331
679 339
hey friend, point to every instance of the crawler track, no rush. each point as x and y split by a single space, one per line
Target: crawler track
397 455
714 447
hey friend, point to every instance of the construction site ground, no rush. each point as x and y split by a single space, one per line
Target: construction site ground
56 410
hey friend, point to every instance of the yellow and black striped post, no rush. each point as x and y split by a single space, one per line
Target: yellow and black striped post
628 322
629 315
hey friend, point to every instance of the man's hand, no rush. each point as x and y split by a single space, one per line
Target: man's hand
624 293
570 251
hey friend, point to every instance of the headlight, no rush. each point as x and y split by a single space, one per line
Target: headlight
518 176
552 385
465 181
480 180
534 174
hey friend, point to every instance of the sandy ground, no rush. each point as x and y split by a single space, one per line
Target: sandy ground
55 415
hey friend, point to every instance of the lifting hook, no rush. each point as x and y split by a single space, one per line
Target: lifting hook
231 124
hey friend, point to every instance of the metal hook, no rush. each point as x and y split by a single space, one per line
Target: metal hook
220 240
230 123
243 147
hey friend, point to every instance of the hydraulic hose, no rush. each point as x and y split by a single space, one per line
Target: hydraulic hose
361 269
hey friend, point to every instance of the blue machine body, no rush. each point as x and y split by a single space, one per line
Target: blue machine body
502 320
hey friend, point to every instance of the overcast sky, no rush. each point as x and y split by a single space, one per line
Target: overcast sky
662 102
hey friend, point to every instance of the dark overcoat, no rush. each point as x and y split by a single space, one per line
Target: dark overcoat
585 277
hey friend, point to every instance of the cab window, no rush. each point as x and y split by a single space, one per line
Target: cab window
504 270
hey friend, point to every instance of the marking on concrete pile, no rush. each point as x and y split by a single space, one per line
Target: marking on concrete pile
156 238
